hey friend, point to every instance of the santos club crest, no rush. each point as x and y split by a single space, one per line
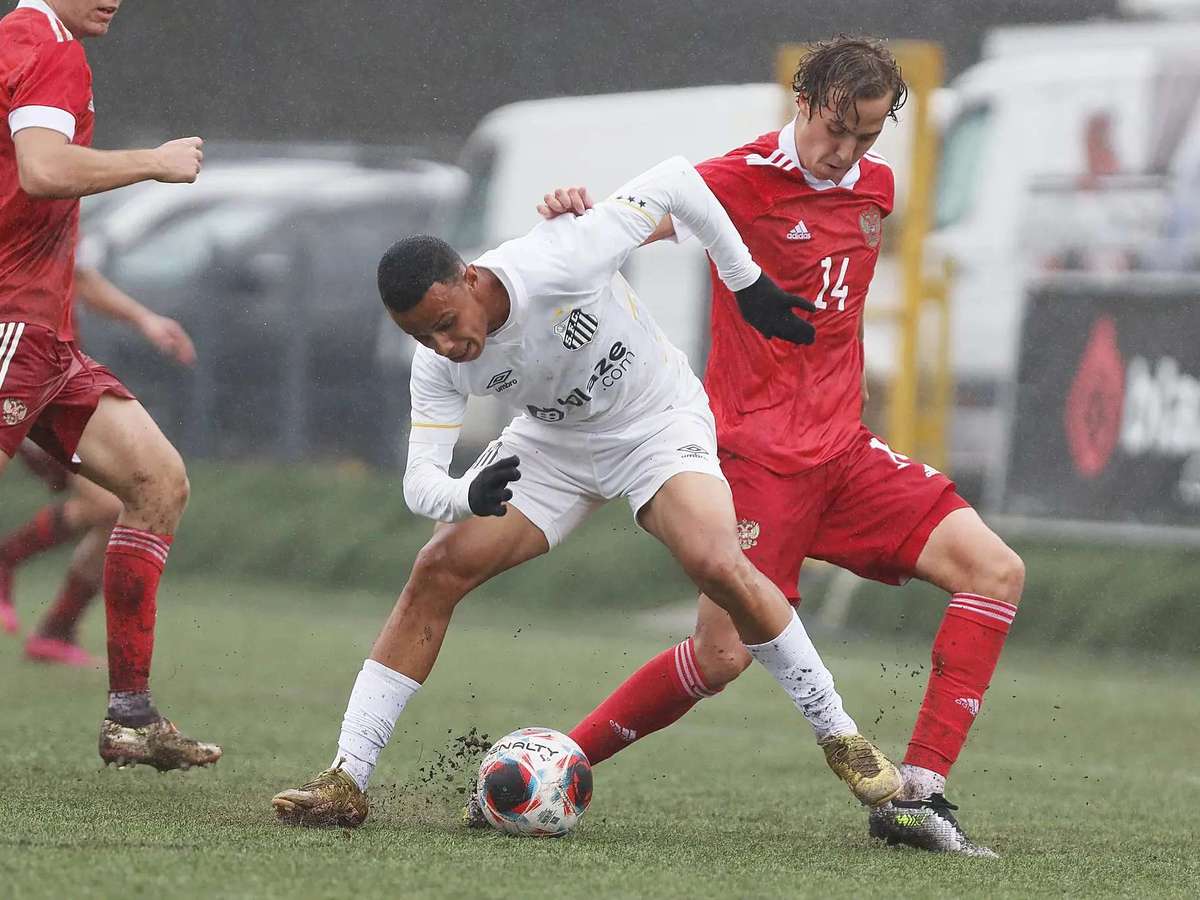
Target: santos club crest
577 329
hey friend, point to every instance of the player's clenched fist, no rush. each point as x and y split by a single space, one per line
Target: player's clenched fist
489 491
180 160
768 307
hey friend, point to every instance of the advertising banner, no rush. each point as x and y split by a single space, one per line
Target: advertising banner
1106 425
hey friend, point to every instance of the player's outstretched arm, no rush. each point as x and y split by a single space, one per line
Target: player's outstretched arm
52 168
167 335
681 192
577 200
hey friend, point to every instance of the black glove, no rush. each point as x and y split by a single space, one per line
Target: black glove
768 308
489 490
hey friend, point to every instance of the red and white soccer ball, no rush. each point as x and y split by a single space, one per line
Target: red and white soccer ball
536 782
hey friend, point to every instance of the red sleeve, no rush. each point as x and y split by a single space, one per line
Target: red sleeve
887 190
55 78
729 180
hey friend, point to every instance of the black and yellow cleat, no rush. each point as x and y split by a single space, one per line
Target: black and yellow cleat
870 775
332 799
926 824
159 744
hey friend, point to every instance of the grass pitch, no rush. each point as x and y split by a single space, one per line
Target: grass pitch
1080 773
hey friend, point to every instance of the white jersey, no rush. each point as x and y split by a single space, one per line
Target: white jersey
578 350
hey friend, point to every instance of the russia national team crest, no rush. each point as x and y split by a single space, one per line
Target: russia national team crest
577 329
871 224
747 531
14 411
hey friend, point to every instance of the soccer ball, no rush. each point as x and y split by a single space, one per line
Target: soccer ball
535 781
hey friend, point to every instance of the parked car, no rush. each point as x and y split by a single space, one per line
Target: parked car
273 273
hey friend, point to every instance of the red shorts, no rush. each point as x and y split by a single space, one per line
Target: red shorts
869 510
48 391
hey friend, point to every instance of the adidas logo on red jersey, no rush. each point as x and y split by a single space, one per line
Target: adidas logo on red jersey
799 232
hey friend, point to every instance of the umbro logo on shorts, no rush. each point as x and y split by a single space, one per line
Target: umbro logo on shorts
501 381
692 451
577 329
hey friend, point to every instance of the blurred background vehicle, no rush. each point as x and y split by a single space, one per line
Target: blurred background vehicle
270 264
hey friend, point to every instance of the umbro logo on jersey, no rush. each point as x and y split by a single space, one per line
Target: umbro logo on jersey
501 381
799 232
692 451
577 329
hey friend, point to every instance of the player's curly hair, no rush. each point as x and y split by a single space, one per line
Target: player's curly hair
839 72
411 266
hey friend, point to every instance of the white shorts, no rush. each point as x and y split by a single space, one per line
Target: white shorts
566 473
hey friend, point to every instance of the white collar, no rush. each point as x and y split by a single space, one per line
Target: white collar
787 146
43 7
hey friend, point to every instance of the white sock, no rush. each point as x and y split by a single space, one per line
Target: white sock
795 664
376 702
919 783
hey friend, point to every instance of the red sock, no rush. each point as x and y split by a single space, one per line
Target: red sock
44 531
62 618
132 567
649 700
965 653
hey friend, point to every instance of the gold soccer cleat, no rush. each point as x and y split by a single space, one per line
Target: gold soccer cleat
331 799
870 775
159 744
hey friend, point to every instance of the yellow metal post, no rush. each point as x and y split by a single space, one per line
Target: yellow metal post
922 65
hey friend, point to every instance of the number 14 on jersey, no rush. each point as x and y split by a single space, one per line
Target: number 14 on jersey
840 288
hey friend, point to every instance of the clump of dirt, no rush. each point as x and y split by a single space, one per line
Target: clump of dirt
437 791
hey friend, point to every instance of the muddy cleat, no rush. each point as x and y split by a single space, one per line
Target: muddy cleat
40 648
870 775
159 744
925 824
472 813
331 799
9 623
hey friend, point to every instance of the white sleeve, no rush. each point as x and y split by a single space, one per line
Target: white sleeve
675 188
570 252
437 416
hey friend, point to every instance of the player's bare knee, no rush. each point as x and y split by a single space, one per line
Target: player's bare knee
720 661
438 576
718 573
999 574
1010 574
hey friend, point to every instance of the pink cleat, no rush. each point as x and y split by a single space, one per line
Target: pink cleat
9 623
40 648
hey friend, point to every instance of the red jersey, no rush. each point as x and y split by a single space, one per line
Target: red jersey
786 407
45 82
